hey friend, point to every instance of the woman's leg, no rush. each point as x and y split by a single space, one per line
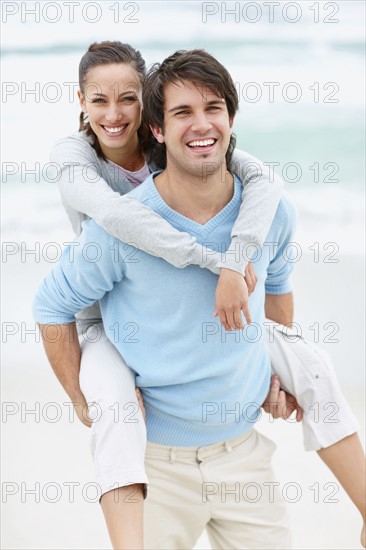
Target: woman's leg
347 462
329 425
123 512
118 437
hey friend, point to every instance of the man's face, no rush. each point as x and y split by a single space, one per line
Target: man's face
197 128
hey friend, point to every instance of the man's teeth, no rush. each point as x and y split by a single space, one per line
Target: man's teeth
202 143
113 130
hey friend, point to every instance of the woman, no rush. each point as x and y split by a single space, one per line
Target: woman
101 163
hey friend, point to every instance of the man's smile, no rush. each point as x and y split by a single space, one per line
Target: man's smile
202 145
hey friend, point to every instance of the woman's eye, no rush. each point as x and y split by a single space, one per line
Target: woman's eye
129 99
98 100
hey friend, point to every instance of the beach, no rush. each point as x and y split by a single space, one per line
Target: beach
49 447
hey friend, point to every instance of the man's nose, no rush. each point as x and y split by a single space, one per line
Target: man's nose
201 123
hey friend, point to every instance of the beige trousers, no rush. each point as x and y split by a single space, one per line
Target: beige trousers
227 488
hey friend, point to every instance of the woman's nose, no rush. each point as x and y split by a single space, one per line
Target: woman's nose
114 113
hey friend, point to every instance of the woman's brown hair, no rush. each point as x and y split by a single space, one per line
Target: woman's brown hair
105 53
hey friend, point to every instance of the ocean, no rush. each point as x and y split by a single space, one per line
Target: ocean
299 72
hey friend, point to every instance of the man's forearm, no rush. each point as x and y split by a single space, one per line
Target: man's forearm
280 308
62 347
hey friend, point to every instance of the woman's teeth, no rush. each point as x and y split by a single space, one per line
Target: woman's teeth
114 130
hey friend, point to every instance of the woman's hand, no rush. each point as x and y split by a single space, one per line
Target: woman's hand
250 277
232 294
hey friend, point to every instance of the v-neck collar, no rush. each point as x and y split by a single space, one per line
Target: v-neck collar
186 223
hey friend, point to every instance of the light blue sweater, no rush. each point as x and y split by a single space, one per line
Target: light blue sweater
200 383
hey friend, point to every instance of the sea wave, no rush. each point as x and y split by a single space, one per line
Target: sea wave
158 27
33 212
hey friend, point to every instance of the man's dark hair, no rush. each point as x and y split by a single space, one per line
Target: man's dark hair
196 66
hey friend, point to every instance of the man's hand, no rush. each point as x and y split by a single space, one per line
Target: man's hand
81 409
280 404
232 295
141 403
82 412
62 347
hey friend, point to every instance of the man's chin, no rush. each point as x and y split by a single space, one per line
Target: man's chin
210 167
203 170
202 167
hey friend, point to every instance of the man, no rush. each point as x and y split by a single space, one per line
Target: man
194 376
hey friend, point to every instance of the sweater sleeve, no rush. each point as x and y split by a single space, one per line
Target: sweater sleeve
285 253
261 197
83 189
87 270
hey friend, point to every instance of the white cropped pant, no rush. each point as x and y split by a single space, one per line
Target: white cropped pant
118 434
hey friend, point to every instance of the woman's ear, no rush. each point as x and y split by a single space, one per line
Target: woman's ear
158 134
82 101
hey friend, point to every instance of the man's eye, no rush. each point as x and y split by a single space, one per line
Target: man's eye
182 113
213 108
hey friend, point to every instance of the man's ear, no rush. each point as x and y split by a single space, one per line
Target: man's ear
231 121
82 101
158 134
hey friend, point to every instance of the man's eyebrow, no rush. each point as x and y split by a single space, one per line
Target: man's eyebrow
208 103
178 107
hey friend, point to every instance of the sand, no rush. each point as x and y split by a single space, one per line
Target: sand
48 449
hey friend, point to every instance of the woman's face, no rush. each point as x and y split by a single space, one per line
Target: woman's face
112 100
